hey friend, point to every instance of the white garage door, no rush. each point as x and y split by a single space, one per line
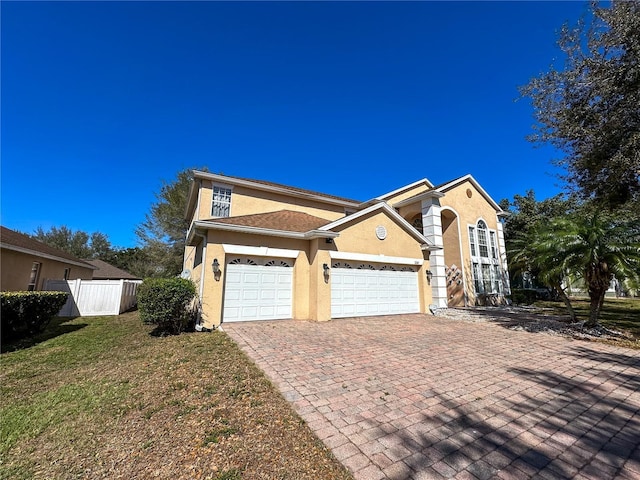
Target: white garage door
257 289
364 289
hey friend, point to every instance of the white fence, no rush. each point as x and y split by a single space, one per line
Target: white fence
95 297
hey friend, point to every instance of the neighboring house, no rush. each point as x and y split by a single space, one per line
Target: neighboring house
261 250
106 271
26 263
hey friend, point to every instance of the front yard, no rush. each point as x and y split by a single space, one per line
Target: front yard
99 397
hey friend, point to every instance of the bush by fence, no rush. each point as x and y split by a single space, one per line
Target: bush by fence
27 313
166 302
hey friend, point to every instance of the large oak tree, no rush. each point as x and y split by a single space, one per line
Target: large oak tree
590 108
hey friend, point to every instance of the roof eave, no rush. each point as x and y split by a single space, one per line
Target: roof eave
420 197
206 225
47 255
272 188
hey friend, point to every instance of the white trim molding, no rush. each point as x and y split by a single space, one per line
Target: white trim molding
260 251
48 256
391 212
367 257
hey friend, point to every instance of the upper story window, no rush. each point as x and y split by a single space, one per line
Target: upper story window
486 270
221 203
482 239
494 247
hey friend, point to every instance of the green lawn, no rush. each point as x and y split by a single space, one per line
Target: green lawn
617 313
99 397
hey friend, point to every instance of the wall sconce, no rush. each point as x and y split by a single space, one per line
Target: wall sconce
216 266
429 276
325 268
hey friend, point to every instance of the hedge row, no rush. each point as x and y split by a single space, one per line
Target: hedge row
166 302
28 313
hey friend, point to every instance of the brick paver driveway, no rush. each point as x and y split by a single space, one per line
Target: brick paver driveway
419 396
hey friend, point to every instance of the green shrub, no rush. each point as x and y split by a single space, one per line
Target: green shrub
166 302
523 296
28 313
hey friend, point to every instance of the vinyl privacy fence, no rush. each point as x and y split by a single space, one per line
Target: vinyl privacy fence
95 297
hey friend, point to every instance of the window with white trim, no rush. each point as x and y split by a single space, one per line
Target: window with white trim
221 202
33 278
486 270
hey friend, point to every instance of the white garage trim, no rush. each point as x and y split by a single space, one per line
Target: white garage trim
257 289
367 290
260 251
366 257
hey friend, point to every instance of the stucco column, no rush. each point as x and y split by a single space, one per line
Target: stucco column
506 284
432 229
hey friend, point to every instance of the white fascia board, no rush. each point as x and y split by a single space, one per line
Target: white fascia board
35 253
260 251
406 187
367 257
273 188
418 198
207 225
475 184
380 206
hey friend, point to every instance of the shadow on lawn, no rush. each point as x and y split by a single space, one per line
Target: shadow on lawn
542 424
57 327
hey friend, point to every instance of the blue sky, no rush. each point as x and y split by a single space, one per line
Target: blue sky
102 101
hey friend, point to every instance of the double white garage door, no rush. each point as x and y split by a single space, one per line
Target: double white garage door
262 289
373 289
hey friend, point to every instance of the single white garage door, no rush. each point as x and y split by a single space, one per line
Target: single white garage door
376 289
257 289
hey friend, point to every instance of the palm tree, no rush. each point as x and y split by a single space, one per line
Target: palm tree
592 246
598 248
537 253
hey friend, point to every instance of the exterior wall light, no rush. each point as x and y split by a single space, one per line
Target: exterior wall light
216 266
325 267
429 276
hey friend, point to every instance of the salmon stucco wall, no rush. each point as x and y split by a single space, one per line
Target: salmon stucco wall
247 201
360 236
16 270
471 206
213 289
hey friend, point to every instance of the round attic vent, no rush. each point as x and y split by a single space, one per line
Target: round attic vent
381 232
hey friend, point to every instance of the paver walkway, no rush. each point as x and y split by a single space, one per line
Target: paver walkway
418 396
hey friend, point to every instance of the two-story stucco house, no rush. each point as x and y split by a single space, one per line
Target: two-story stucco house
259 250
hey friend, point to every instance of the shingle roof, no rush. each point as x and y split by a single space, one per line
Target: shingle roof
106 271
285 220
10 238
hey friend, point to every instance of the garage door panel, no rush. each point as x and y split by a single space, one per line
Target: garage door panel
384 290
255 291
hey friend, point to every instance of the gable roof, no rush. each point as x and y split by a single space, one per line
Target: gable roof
106 271
285 220
453 183
283 223
423 181
19 242
383 206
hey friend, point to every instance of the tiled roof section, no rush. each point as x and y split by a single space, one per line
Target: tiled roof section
295 189
106 271
12 238
285 220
